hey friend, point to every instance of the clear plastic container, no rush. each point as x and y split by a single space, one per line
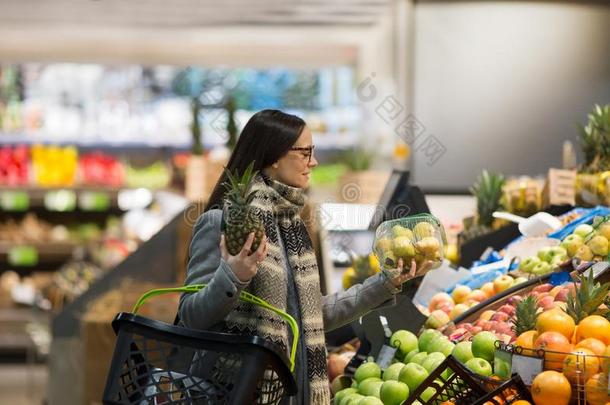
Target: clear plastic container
420 237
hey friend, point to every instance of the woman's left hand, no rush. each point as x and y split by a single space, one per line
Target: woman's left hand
406 275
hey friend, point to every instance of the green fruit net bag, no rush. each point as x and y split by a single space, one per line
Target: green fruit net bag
420 237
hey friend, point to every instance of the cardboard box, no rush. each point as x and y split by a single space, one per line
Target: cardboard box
98 336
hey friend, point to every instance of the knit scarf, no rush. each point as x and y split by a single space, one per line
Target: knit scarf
278 205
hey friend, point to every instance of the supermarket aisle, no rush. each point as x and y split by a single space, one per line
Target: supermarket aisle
22 384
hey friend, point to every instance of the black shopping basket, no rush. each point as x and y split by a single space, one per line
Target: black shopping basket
155 363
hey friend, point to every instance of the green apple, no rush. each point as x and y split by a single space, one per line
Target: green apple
410 355
543 253
419 358
351 399
399 230
367 370
483 345
423 230
447 348
557 251
429 247
370 387
394 392
403 247
479 366
520 280
542 268
404 341
343 393
426 338
428 394
598 245
583 230
370 400
604 230
383 245
528 264
438 344
463 352
572 243
584 253
433 361
392 372
413 375
557 261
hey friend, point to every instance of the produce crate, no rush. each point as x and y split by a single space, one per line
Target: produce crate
460 387
505 392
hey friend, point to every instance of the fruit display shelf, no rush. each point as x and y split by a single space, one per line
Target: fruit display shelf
28 256
68 200
601 271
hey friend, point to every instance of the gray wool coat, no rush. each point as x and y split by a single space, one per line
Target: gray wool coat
208 307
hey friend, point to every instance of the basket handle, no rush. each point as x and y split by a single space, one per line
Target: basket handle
243 296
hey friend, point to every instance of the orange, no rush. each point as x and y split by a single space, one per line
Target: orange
596 390
580 365
605 360
594 326
526 340
521 402
555 320
595 345
551 388
556 346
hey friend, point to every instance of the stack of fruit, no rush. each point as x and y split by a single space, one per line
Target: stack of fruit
101 169
362 267
54 166
587 243
415 359
156 175
444 307
14 164
419 237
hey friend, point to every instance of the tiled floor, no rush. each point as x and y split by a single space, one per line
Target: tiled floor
23 384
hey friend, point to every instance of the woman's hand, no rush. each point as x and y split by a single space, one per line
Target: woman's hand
404 275
244 264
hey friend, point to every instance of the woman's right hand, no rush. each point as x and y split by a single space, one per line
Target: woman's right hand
244 264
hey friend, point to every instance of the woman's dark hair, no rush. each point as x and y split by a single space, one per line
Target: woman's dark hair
267 136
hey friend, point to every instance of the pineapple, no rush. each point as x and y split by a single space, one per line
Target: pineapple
488 192
239 217
525 315
588 298
595 140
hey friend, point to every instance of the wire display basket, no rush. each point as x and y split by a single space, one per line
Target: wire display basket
505 392
450 381
155 363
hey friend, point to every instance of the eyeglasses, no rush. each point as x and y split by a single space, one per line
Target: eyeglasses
306 152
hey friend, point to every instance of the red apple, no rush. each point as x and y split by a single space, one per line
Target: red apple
476 295
503 283
546 303
514 300
543 288
475 330
507 309
438 299
446 307
500 317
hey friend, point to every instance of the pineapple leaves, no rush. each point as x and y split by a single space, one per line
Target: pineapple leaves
488 192
588 298
526 315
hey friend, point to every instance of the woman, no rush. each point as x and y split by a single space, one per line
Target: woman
283 270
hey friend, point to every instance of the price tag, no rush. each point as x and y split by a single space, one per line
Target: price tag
14 201
94 201
560 187
23 256
527 367
60 200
